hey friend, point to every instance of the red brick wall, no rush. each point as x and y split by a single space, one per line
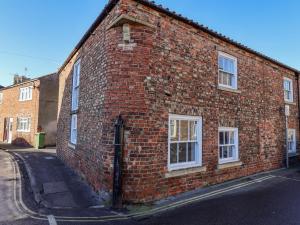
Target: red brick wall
172 69
13 108
93 154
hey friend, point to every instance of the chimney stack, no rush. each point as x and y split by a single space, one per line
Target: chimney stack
20 79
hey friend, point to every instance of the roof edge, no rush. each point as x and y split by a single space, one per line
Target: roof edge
25 82
111 4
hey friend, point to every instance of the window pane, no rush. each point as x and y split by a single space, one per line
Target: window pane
225 152
230 151
173 153
226 137
174 130
191 151
193 130
221 152
221 138
231 133
184 129
182 152
221 63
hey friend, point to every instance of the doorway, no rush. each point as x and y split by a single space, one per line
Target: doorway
8 125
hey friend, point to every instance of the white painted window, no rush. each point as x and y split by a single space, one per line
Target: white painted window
291 140
185 142
227 71
228 145
74 129
288 89
23 124
25 94
1 98
75 86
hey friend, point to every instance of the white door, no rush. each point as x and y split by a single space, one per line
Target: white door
9 135
292 140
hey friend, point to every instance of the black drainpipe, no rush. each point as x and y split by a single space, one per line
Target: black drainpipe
117 176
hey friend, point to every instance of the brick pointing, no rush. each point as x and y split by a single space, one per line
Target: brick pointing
172 69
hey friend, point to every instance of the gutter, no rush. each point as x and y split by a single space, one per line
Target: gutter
26 82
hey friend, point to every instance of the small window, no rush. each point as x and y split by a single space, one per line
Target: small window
185 146
1 98
75 87
288 89
23 124
227 71
25 94
228 145
292 140
74 129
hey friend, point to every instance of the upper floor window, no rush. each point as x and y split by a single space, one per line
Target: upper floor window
228 145
75 87
227 71
185 146
25 94
23 124
288 89
1 98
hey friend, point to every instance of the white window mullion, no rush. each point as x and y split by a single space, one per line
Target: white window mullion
196 145
288 89
231 149
227 71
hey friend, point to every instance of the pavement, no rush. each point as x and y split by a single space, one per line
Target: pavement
36 188
54 185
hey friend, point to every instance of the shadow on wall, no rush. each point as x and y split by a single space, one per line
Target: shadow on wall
21 142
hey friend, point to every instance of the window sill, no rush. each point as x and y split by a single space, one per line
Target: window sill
293 154
290 103
25 100
229 89
182 172
229 165
74 111
72 146
23 131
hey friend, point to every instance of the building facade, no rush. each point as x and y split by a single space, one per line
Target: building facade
199 108
27 108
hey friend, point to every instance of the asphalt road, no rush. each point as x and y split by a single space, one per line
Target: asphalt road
272 201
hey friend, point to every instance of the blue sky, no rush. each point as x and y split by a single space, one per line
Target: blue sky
40 34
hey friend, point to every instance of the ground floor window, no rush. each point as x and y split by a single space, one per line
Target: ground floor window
185 147
23 124
228 145
73 137
291 140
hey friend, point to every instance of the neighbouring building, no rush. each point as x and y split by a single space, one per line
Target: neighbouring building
199 108
27 107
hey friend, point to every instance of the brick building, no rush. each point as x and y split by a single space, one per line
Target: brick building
28 107
199 108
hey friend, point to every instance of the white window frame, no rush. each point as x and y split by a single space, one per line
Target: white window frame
24 123
235 155
294 140
198 152
75 85
74 133
285 79
1 98
25 94
235 75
